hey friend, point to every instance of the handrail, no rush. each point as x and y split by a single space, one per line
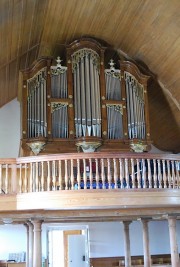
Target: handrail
101 170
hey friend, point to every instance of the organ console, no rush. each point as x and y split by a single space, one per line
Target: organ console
86 105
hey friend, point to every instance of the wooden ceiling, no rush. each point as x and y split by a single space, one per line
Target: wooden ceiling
145 31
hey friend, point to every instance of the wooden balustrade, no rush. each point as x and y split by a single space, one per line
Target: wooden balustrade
83 171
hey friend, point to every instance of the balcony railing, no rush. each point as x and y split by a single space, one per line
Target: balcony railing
80 171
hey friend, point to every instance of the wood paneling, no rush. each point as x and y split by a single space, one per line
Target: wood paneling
146 33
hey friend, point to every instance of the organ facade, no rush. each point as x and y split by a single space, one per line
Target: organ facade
93 103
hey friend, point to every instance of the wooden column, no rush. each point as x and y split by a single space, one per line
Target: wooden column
37 249
30 244
147 257
175 262
27 245
127 250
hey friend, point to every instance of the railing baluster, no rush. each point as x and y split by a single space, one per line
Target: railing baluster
115 174
25 178
31 174
97 174
37 178
149 174
121 172
164 174
173 174
109 173
66 175
72 174
126 173
155 173
144 185
103 174
177 173
169 175
84 174
132 173
159 174
42 176
1 179
90 174
48 176
20 180
138 174
53 175
78 174
60 176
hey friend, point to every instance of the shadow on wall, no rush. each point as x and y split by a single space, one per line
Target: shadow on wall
163 115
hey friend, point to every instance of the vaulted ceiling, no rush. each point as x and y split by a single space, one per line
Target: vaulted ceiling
144 31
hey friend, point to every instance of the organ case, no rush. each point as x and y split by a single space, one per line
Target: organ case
85 105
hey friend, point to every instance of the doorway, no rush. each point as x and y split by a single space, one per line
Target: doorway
68 247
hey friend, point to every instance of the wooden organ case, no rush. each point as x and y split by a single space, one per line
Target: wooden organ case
84 106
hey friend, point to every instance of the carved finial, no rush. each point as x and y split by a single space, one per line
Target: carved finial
111 63
58 60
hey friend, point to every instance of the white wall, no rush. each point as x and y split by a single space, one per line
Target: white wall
12 240
106 239
10 130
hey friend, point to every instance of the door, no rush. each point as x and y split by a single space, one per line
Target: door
77 251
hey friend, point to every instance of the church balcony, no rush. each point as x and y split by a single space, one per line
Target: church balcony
86 181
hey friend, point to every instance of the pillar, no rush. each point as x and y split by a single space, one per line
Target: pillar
127 250
27 245
175 262
37 249
30 245
147 257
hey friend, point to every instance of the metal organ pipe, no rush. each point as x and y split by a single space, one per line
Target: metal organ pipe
87 93
114 111
135 107
36 105
59 109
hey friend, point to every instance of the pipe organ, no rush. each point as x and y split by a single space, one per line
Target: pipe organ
86 105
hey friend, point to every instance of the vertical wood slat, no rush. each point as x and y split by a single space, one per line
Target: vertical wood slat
54 175
126 173
78 174
31 177
6 179
173 174
72 175
168 174
159 174
60 175
42 176
132 174
90 174
121 172
36 178
25 178
164 174
155 173
115 174
1 179
97 174
149 174
102 174
109 174
48 176
138 174
144 174
20 179
14 178
84 174
177 173
66 175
